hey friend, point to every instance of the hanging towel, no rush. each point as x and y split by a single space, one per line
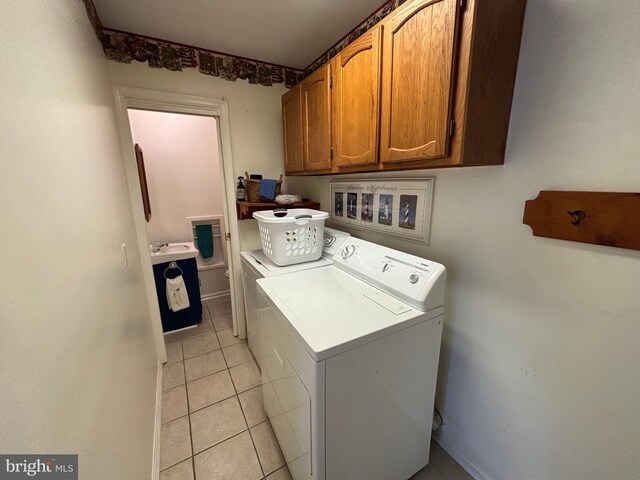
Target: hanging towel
268 188
177 296
205 240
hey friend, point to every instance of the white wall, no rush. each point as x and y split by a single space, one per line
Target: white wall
183 170
78 360
540 361
255 118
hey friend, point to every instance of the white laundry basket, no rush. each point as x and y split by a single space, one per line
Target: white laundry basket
291 236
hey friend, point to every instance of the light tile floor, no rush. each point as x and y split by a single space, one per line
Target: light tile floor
213 423
214 426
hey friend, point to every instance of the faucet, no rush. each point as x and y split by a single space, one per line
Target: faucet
156 246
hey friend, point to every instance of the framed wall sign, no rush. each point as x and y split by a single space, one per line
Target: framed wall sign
395 207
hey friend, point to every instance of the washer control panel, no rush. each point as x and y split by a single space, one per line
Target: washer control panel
333 239
404 276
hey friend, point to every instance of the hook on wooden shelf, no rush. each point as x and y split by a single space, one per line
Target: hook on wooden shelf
614 217
577 215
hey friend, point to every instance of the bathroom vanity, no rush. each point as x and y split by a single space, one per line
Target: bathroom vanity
170 261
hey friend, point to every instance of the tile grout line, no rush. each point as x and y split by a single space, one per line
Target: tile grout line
193 453
184 459
206 353
242 363
198 335
214 403
203 353
185 385
227 369
203 335
205 376
189 412
236 388
255 449
247 423
185 415
264 474
186 392
285 460
253 442
223 440
252 359
180 340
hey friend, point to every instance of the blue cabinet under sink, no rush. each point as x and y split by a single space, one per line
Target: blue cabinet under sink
189 316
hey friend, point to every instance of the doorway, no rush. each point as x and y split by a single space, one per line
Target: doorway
140 111
183 175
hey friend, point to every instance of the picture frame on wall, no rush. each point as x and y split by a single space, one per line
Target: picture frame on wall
394 207
142 176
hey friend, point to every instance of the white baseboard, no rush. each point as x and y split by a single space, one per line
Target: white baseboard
180 330
223 296
471 469
155 467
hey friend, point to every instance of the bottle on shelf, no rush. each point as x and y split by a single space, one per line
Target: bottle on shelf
241 191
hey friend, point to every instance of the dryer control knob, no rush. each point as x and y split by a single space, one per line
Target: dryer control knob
348 251
413 278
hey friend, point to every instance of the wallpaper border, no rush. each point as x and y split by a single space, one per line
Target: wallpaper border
125 47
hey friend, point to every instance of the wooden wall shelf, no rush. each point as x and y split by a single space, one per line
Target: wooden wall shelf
602 218
245 209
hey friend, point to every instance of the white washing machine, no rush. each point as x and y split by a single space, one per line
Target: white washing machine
349 362
255 265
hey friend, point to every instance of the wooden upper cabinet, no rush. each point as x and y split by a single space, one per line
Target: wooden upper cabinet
430 86
356 85
417 81
315 91
292 128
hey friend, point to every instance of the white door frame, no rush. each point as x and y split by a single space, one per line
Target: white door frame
144 99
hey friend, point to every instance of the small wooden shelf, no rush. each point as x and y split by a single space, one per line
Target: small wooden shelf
601 218
245 209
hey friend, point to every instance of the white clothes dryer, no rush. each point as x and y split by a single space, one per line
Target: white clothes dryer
255 265
349 362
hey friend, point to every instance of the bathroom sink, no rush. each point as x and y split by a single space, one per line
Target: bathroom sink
173 252
175 248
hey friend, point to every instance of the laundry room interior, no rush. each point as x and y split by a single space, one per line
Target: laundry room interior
320 240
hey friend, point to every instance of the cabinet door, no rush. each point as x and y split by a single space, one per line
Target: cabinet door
292 128
356 88
417 81
316 119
